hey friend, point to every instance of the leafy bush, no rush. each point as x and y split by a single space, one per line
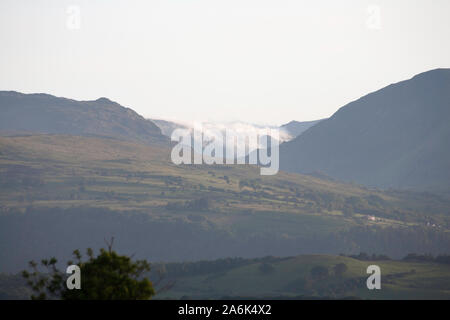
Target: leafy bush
108 276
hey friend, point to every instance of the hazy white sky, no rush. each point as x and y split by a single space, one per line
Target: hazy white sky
220 60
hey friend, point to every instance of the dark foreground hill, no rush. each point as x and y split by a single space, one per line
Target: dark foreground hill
42 113
307 277
396 137
298 277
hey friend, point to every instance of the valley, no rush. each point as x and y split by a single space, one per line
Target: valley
81 190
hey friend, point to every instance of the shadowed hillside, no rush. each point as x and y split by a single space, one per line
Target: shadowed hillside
396 137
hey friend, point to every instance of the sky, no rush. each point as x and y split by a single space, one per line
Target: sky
255 61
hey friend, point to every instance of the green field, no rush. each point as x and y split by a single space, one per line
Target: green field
291 278
67 171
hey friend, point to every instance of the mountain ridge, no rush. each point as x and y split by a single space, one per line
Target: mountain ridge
394 137
296 128
48 114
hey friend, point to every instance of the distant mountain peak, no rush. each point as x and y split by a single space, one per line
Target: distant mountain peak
44 113
295 128
105 100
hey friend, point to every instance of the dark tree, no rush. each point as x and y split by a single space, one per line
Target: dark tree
108 276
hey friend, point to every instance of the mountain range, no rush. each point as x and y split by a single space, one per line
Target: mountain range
396 137
84 171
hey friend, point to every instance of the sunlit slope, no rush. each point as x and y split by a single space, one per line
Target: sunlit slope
80 190
54 169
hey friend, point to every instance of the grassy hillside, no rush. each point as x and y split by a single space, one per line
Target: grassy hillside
60 192
284 278
292 278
